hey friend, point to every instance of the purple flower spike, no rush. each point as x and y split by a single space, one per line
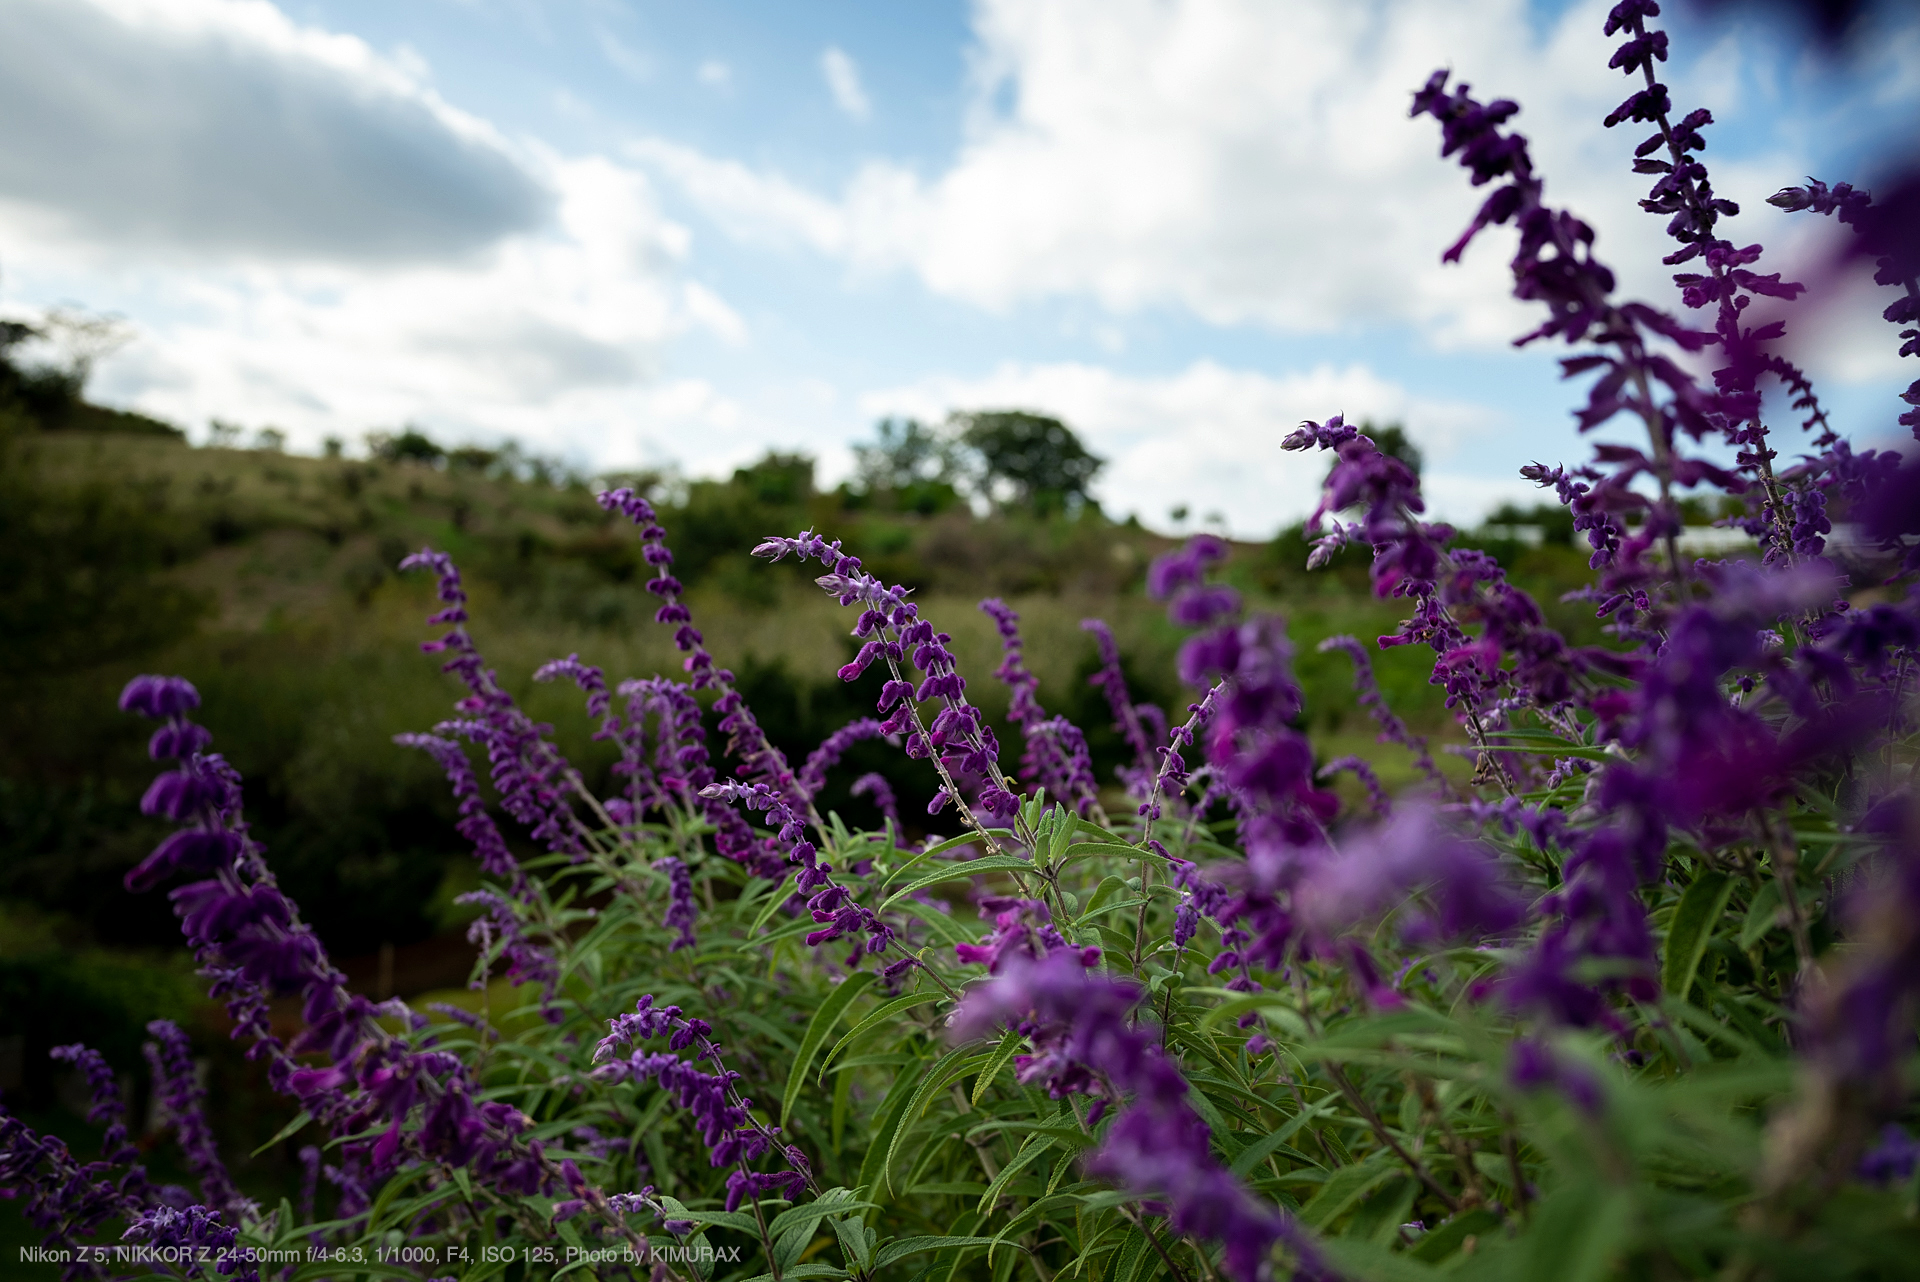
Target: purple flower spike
813 774
177 1084
724 1117
875 785
892 632
475 824
681 913
1158 1147
1126 715
195 1233
746 741
833 907
1056 755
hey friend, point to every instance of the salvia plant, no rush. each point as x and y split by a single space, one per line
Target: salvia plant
1633 993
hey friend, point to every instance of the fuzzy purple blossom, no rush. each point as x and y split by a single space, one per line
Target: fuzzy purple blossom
1366 688
534 781
1021 928
759 760
183 1102
1112 682
199 1234
1056 756
1157 1147
832 905
682 912
500 932
813 774
875 786
891 630
723 1116
475 824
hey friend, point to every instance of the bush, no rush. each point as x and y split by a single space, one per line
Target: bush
1632 996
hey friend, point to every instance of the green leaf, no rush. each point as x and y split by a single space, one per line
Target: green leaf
873 1019
774 901
873 1164
1135 1251
336 1269
1009 1046
1693 923
1762 916
1035 1148
914 1245
738 1221
290 1129
941 924
1119 848
1343 1188
955 872
951 843
835 1201
1449 1237
1577 1233
1255 1153
803 1271
955 1063
817 1029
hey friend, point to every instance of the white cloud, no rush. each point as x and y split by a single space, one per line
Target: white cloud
312 240
220 129
1209 437
1243 161
843 81
715 74
553 338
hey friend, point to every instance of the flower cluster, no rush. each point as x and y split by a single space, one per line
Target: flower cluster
724 1117
891 630
1157 1146
833 907
1056 755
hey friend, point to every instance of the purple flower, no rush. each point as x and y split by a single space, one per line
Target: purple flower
1126 715
746 741
1366 688
723 1116
892 632
105 1107
1158 1147
534 781
876 786
1463 891
813 774
1534 1066
200 1234
1056 756
500 932
475 824
681 913
1892 1159
176 1084
833 907
1021 928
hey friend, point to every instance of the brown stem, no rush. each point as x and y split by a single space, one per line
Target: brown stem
1379 1128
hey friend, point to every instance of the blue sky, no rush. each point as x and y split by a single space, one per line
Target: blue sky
639 233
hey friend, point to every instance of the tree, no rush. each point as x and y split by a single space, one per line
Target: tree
412 444
1038 458
778 480
911 468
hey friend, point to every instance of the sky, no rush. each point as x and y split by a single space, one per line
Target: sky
638 234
